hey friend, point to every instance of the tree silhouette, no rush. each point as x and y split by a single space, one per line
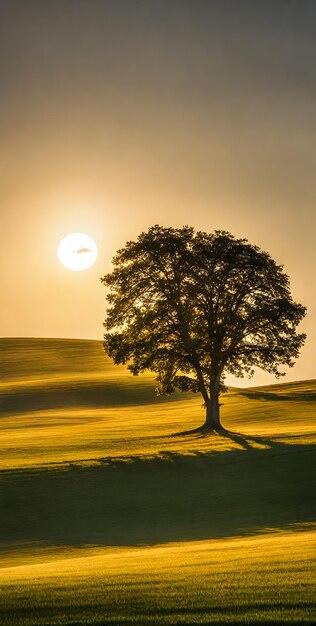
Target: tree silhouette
192 307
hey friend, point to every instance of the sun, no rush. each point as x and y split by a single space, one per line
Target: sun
77 251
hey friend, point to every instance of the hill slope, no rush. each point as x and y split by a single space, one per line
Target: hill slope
64 401
91 460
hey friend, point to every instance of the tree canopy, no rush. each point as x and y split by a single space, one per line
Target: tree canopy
192 307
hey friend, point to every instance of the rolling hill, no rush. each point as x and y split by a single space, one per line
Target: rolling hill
106 505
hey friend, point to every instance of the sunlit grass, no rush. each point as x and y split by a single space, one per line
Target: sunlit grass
58 413
72 435
266 579
109 515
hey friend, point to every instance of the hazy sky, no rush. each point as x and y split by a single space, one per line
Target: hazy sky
119 114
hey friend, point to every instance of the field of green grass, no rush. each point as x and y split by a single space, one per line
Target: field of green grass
109 515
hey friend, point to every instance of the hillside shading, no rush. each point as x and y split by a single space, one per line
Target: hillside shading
53 412
263 580
113 512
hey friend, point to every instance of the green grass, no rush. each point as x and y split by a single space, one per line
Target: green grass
109 516
242 581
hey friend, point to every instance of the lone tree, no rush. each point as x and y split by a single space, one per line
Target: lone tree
193 307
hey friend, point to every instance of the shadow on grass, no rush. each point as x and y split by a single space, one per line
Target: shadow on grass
173 497
81 394
246 442
100 616
276 396
145 616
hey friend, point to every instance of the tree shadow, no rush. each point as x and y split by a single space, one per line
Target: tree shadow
247 442
170 497
198 433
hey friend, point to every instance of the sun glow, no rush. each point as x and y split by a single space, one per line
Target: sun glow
77 251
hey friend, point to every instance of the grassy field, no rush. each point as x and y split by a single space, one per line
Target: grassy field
109 515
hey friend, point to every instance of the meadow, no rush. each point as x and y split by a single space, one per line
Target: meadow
110 514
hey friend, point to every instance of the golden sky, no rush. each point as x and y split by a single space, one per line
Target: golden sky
119 114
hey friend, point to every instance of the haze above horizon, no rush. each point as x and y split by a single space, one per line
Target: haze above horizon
116 117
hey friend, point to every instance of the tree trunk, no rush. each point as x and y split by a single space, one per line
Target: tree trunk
212 420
